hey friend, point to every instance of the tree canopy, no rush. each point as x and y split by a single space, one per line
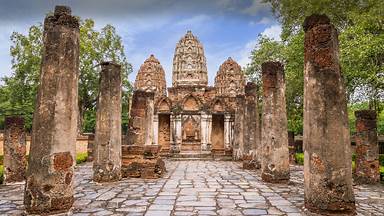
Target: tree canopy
18 91
361 35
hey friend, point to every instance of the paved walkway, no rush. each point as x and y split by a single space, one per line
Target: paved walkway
193 188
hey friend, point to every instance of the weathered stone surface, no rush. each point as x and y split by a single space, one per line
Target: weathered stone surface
367 149
292 147
151 77
107 155
140 127
193 188
250 163
252 133
90 147
275 156
327 155
14 149
189 63
142 162
230 80
49 182
238 139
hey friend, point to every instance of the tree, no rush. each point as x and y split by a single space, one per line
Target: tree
95 46
361 34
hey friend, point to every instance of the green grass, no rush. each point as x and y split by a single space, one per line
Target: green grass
299 158
300 161
81 158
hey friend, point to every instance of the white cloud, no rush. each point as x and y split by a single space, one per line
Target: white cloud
273 32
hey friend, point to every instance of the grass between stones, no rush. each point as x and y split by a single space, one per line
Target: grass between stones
300 160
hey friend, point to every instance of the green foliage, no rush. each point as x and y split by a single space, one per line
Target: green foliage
361 36
1 159
381 159
17 95
299 158
81 158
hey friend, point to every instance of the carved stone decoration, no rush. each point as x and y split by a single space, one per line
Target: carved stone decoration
151 77
230 80
191 128
189 63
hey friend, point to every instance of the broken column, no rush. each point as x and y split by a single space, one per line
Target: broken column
14 150
140 158
107 149
327 155
367 148
291 146
275 154
49 180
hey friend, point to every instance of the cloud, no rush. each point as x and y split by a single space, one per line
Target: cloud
273 32
256 7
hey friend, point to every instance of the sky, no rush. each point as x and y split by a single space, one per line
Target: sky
226 28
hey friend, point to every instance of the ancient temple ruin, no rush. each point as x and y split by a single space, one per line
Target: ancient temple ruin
189 117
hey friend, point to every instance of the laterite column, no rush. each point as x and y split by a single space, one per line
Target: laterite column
367 148
327 154
49 182
107 151
14 150
275 154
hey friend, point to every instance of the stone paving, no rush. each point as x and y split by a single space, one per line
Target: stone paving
193 188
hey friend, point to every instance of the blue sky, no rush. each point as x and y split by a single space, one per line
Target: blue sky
227 28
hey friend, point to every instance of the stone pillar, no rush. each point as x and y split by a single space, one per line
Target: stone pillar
238 139
204 131
227 131
149 121
178 133
156 129
251 118
172 136
327 154
107 156
209 133
14 150
367 148
275 154
49 182
90 147
291 146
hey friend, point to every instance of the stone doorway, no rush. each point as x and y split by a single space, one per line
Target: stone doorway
164 132
217 135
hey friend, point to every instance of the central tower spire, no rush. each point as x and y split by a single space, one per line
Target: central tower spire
189 63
